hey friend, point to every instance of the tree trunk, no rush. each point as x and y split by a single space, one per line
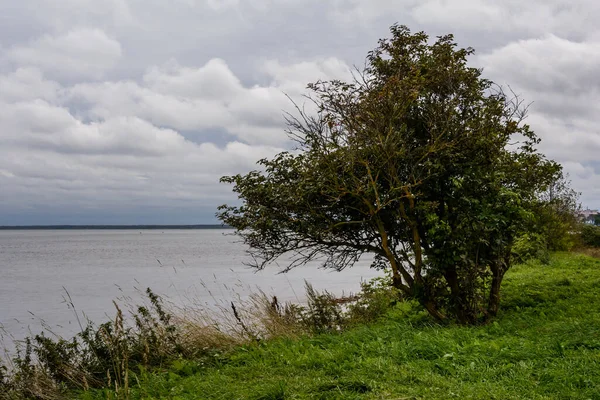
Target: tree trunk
398 284
427 303
433 311
498 271
457 296
494 300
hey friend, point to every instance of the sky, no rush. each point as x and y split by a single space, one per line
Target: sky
129 111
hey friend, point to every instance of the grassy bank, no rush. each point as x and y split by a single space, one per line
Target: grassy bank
544 345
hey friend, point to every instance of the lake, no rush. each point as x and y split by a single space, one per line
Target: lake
202 266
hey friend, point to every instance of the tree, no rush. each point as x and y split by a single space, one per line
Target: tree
555 225
557 214
418 161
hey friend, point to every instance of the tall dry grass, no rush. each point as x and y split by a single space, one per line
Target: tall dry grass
156 333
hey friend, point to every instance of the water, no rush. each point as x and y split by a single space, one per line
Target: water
40 269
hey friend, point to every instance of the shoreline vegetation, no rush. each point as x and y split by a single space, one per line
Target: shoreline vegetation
154 334
114 227
545 343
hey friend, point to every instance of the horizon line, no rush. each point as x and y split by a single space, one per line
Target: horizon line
110 226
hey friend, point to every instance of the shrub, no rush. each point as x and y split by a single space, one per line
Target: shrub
99 356
376 298
530 246
590 235
322 313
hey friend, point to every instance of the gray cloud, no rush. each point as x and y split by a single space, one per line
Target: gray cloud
135 108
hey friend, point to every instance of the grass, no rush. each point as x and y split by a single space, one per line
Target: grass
545 344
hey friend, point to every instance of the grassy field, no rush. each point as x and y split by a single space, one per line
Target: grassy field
544 345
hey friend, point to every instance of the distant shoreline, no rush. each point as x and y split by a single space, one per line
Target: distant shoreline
130 227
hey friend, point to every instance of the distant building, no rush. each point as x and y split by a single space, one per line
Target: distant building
588 216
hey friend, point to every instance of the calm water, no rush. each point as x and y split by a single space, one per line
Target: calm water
38 268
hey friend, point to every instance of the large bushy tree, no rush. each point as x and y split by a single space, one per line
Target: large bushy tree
418 161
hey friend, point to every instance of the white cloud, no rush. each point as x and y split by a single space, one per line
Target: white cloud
38 124
295 77
111 143
560 77
114 163
214 80
209 97
79 53
27 83
548 63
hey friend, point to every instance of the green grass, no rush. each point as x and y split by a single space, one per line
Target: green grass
545 344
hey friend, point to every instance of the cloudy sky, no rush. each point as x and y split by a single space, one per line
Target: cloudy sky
129 111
